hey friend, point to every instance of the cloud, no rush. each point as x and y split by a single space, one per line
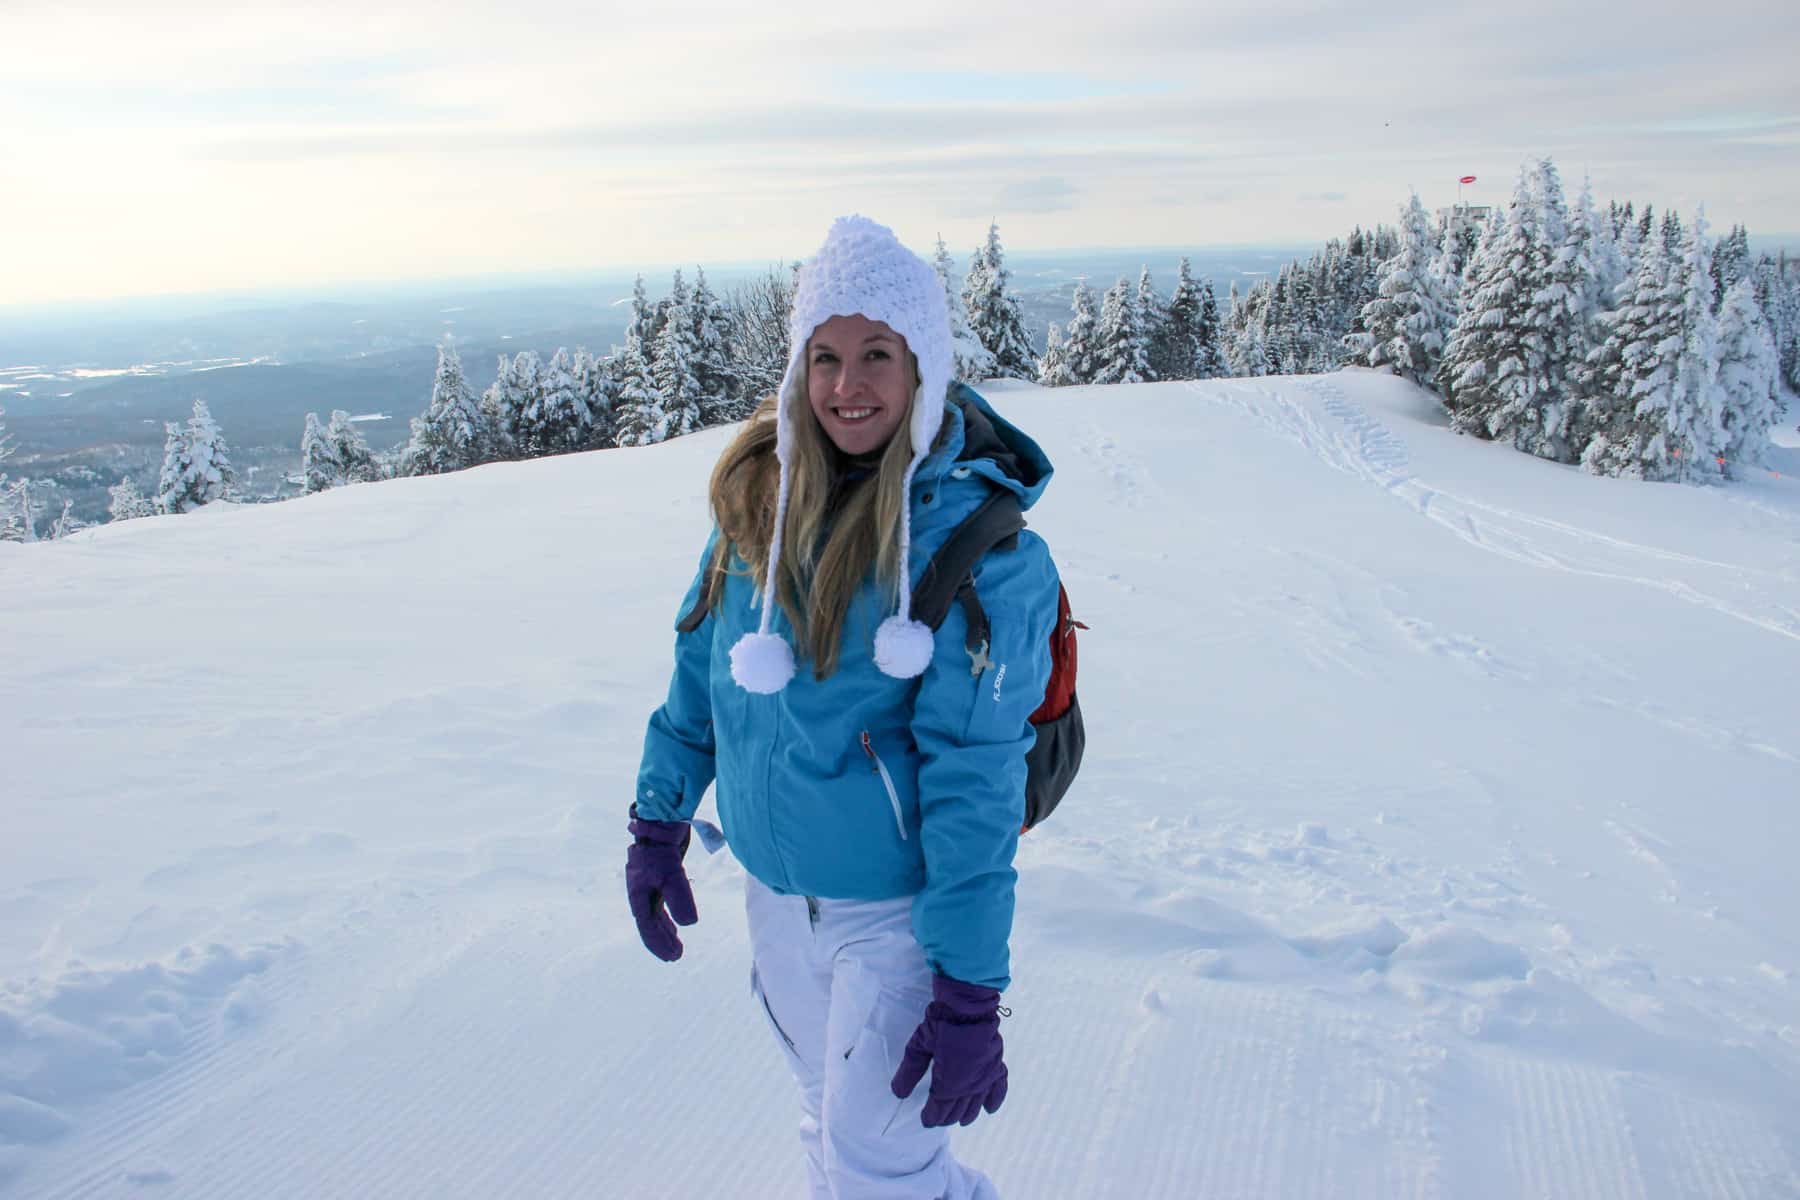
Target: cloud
351 137
1789 137
1042 195
991 86
1723 123
1173 124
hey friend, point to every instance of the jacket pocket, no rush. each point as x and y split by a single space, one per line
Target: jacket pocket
887 782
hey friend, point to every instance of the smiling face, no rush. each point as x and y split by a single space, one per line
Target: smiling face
859 381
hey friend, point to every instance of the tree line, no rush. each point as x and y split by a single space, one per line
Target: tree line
1633 346
1630 345
690 360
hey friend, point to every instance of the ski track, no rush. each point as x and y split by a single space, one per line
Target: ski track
1324 1099
1568 1138
1200 1049
1695 1148
207 1054
375 1103
1363 447
1240 1089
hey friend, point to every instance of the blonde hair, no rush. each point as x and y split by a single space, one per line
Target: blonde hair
829 543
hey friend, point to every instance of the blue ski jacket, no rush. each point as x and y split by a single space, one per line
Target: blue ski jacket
865 787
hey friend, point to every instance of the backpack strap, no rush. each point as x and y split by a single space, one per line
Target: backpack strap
949 577
702 605
996 523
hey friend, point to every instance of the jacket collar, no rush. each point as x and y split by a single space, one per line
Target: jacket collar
978 439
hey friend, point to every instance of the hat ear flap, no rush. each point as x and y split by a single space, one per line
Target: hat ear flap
787 401
763 662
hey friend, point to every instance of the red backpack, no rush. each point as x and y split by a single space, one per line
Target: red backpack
1055 757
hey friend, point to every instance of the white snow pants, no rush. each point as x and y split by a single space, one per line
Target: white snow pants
843 984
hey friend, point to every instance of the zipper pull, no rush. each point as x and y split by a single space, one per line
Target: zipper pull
869 749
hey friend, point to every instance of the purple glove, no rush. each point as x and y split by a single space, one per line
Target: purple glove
959 1039
656 885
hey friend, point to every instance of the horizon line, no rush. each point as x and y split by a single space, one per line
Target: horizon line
87 305
556 274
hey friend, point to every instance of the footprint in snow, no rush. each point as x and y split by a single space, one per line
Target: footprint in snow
1459 647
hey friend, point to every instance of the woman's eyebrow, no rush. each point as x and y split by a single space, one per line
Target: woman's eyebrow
825 344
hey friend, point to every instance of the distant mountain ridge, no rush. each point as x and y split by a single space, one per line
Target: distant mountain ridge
374 354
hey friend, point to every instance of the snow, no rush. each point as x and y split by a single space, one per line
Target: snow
1434 837
64 375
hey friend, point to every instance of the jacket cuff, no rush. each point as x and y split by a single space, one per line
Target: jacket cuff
659 833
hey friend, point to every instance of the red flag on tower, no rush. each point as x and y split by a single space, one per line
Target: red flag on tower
1467 179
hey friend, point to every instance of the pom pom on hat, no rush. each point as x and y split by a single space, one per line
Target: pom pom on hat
762 663
903 647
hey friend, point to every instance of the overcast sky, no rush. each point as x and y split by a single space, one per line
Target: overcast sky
185 146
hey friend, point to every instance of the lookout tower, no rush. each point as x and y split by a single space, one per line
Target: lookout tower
1465 219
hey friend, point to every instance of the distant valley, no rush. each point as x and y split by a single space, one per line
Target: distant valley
87 390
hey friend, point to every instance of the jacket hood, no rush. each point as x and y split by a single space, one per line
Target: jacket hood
979 440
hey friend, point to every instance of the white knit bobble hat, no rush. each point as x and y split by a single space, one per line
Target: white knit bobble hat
862 269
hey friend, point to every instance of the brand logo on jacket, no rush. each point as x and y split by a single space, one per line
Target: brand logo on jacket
999 678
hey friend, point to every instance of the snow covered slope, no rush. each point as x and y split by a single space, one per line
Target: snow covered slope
1436 836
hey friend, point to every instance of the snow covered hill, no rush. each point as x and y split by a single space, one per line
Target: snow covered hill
1436 837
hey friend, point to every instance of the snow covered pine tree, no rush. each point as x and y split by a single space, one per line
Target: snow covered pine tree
196 468
994 314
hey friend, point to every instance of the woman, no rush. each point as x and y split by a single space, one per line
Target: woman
870 773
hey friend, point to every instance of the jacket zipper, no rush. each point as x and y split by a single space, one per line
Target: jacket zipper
887 781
